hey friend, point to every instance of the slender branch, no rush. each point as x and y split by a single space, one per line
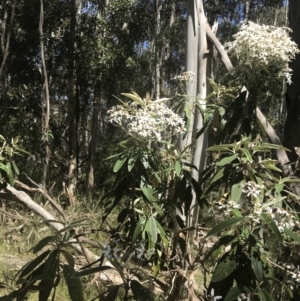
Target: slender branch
223 54
6 48
10 193
46 97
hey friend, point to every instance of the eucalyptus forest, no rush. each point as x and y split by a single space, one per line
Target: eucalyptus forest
149 150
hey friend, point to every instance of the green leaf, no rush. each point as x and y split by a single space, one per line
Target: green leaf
247 154
223 269
90 271
73 283
16 170
227 160
42 243
152 228
279 187
28 268
233 294
218 175
133 96
265 296
224 225
140 292
120 162
112 293
269 221
236 192
162 233
257 265
69 258
178 168
222 147
147 191
137 231
50 269
131 163
292 234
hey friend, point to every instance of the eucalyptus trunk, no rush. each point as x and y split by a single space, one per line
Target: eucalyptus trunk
90 181
72 109
191 67
45 99
292 125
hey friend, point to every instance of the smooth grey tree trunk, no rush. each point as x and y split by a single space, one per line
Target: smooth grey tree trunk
292 125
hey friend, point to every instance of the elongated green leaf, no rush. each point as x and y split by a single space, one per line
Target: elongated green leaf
178 168
152 228
236 191
224 225
16 170
137 231
50 269
73 283
247 154
227 160
131 163
113 156
222 147
140 292
42 243
112 293
223 269
265 296
162 233
120 162
233 294
292 234
69 258
135 98
270 223
33 264
218 175
91 271
257 265
147 191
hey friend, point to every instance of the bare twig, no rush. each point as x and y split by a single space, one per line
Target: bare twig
5 48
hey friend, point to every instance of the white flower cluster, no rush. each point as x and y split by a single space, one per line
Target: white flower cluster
146 122
243 297
293 273
264 47
282 218
254 207
251 188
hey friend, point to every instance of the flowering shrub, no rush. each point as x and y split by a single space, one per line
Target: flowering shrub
146 119
264 48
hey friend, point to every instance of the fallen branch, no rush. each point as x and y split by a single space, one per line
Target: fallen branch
12 194
42 191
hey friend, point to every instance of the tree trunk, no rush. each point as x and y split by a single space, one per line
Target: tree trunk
72 109
200 144
45 100
292 125
93 143
157 51
191 66
6 32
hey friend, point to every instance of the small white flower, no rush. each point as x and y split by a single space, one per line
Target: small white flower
109 253
212 296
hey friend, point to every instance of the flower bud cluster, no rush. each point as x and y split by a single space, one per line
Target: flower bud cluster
146 122
244 297
264 47
293 273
